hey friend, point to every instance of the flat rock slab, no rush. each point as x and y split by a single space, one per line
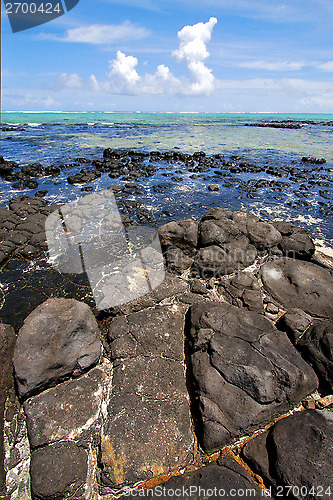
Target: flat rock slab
224 478
7 343
244 372
59 339
59 471
301 453
300 284
67 411
147 430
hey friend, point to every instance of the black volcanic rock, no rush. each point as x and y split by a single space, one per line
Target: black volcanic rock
244 372
316 345
229 241
148 415
59 339
294 322
301 453
59 471
183 234
224 478
300 284
7 343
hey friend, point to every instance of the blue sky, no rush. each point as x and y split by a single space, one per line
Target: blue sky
175 55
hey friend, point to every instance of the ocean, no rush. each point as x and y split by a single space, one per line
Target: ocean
285 186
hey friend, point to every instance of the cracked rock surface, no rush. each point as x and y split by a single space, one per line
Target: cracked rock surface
202 382
296 453
147 431
245 372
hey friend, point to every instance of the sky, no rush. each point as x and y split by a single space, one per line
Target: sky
172 56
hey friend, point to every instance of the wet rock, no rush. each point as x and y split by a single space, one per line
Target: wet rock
67 411
25 183
6 167
86 175
22 227
294 322
183 234
37 170
213 187
59 471
147 430
59 339
316 346
161 188
311 159
244 372
7 343
301 453
299 284
40 194
224 478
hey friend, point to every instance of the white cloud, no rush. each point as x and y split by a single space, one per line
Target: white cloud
72 81
123 73
100 33
328 66
125 79
193 51
273 66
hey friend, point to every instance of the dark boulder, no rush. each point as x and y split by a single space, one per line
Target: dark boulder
183 234
59 339
244 372
294 322
300 284
224 478
301 454
296 241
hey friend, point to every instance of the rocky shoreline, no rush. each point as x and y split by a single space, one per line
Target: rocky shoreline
219 378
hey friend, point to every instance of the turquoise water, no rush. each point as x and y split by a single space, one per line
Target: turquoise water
60 137
210 132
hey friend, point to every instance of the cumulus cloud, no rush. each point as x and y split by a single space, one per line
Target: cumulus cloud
100 33
123 76
123 72
193 51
